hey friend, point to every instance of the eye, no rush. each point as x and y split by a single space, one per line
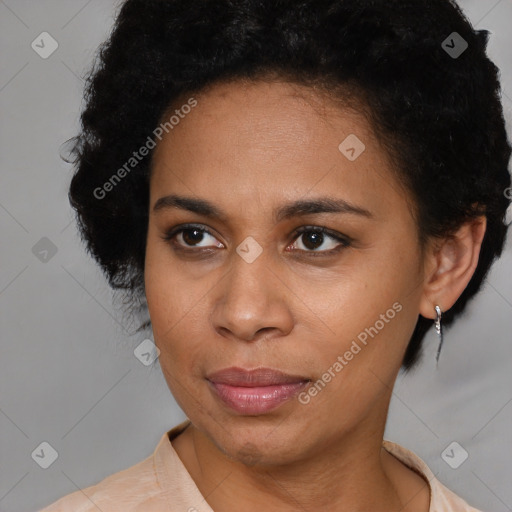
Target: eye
313 238
190 237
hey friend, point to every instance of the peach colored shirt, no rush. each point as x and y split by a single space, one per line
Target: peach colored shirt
161 483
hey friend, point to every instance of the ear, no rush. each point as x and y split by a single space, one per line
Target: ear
450 263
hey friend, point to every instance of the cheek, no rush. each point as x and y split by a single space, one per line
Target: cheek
174 321
358 367
175 311
370 310
177 304
169 290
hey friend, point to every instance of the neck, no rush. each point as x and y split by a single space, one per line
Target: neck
353 473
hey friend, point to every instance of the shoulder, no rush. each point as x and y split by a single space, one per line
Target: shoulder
124 491
136 488
441 498
149 486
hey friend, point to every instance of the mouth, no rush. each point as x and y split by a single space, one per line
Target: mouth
254 392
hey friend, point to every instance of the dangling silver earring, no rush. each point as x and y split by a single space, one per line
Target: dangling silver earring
439 331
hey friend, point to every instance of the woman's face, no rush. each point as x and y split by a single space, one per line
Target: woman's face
250 292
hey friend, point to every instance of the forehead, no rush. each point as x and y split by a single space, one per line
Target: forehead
257 138
275 106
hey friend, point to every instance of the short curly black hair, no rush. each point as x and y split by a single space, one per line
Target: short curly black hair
438 111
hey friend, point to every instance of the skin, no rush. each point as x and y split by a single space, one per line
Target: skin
248 148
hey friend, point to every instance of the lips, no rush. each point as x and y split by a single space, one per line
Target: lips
253 378
254 392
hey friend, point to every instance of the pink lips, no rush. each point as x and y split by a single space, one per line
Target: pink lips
256 391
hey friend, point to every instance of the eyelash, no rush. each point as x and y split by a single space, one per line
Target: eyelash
344 240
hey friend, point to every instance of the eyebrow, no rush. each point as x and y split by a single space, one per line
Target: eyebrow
286 211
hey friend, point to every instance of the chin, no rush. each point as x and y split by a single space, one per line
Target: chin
257 441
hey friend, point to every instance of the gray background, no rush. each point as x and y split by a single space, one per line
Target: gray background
68 375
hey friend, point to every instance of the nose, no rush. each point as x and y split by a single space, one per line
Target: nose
252 301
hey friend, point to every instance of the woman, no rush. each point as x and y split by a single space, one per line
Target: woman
299 190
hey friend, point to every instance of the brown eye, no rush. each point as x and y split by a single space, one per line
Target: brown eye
191 236
314 238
